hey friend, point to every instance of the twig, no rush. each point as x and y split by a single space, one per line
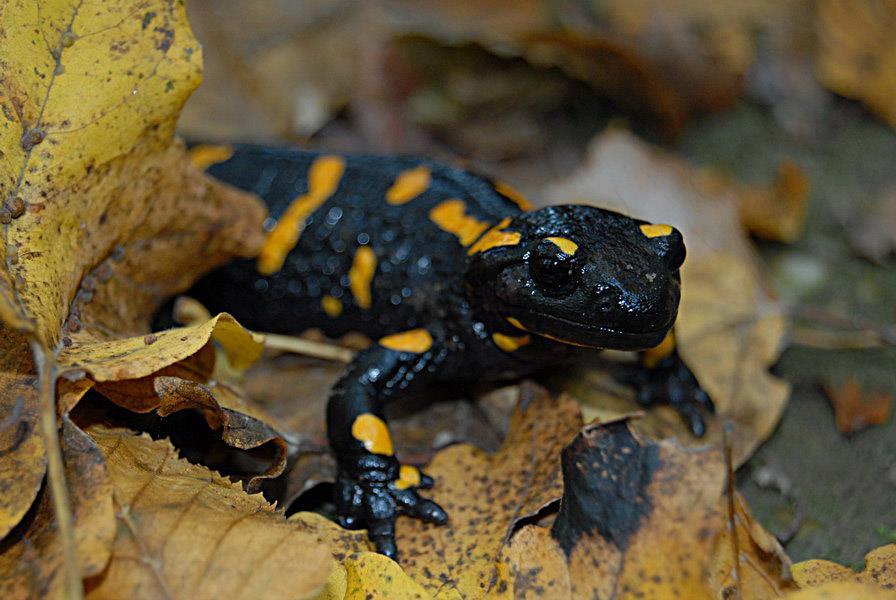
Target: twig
46 369
735 543
835 340
305 347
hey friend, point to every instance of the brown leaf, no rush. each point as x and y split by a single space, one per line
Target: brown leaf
853 410
22 457
729 330
31 557
487 495
747 561
186 531
637 516
879 573
775 212
641 519
242 425
857 52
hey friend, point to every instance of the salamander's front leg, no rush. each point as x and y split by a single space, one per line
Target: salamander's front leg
372 488
663 378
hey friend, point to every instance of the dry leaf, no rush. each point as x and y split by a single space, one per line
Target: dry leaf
880 571
857 52
22 457
776 212
486 496
842 590
31 558
729 330
641 519
761 569
185 531
853 410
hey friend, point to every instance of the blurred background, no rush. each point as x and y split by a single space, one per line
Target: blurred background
789 106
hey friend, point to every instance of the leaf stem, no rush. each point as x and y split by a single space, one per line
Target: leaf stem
46 369
305 347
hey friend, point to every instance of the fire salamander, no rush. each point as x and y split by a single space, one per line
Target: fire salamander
457 279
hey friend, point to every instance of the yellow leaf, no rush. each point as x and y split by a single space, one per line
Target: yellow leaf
880 570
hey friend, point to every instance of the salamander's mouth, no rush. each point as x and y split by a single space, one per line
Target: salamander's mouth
587 335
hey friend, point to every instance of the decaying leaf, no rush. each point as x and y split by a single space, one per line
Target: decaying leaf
854 410
22 457
879 572
747 561
486 496
857 52
31 557
729 330
641 519
184 530
842 590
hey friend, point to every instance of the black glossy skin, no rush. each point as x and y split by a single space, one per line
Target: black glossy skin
619 289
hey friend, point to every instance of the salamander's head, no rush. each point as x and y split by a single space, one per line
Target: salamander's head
580 275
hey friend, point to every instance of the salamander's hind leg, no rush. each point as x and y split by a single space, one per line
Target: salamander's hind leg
663 378
372 488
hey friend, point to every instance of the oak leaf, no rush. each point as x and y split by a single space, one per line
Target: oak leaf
185 531
730 330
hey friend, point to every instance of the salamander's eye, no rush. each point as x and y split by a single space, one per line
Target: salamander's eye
552 266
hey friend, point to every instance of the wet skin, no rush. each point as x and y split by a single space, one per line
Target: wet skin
456 280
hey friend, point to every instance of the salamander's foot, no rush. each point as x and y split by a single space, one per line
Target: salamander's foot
672 382
374 490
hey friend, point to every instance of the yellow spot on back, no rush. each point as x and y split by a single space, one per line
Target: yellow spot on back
450 216
408 476
508 343
568 246
495 237
332 306
514 195
408 185
323 179
516 323
415 340
372 431
653 356
205 155
361 274
656 230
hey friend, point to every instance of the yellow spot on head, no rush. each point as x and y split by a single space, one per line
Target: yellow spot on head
653 356
361 274
372 431
514 195
408 185
508 343
568 246
332 306
323 179
495 237
205 155
657 230
408 476
415 340
450 216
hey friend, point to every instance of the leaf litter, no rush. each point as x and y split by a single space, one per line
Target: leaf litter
102 214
